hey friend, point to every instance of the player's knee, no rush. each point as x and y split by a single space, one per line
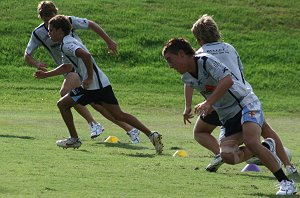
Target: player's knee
229 158
229 152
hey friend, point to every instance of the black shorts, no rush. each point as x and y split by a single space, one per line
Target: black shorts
233 125
84 97
212 118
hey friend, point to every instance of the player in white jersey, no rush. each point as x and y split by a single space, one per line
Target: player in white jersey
95 86
239 109
207 34
40 37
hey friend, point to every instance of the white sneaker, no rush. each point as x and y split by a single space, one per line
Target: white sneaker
287 188
155 138
290 169
272 147
134 135
69 143
215 164
96 129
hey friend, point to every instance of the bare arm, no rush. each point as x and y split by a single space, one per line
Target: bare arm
205 107
29 59
87 60
188 96
62 69
112 45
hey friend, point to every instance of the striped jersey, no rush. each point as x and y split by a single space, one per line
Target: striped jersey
227 55
209 72
40 37
69 46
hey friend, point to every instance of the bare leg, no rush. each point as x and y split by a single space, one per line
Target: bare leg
202 134
268 132
232 152
65 104
119 115
72 81
251 135
108 116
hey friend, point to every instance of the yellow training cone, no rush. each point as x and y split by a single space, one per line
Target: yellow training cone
180 153
112 139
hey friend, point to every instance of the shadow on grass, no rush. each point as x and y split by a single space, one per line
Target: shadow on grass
17 137
123 145
263 195
143 155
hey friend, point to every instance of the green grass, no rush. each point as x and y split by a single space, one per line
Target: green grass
32 166
266 34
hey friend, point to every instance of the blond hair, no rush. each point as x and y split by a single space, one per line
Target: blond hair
206 29
46 9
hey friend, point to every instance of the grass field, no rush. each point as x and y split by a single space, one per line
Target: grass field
266 34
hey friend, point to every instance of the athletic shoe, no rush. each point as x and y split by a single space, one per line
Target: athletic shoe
290 169
134 135
69 143
215 164
155 138
96 129
287 188
270 144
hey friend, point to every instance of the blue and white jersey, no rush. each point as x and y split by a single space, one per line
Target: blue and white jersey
40 37
227 55
209 72
69 46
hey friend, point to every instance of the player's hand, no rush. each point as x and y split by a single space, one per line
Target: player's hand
86 83
112 47
41 66
203 109
39 74
187 115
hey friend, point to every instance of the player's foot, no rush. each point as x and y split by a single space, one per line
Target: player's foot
155 138
215 164
69 143
96 129
134 135
290 169
270 144
287 188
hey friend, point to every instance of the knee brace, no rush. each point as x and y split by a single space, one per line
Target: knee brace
229 150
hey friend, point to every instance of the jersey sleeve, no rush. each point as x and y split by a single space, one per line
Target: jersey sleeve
79 23
32 45
69 50
217 69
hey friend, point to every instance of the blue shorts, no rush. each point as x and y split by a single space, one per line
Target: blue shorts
84 97
252 112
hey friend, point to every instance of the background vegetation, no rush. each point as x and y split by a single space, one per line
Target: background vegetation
266 34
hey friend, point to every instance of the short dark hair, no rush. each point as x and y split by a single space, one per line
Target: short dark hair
46 9
174 45
61 21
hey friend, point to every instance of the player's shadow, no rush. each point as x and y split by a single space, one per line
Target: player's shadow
266 195
142 155
17 137
123 145
258 176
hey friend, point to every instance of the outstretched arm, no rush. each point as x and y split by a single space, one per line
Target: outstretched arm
62 69
112 45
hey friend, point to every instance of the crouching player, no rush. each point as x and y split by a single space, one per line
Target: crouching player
239 109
